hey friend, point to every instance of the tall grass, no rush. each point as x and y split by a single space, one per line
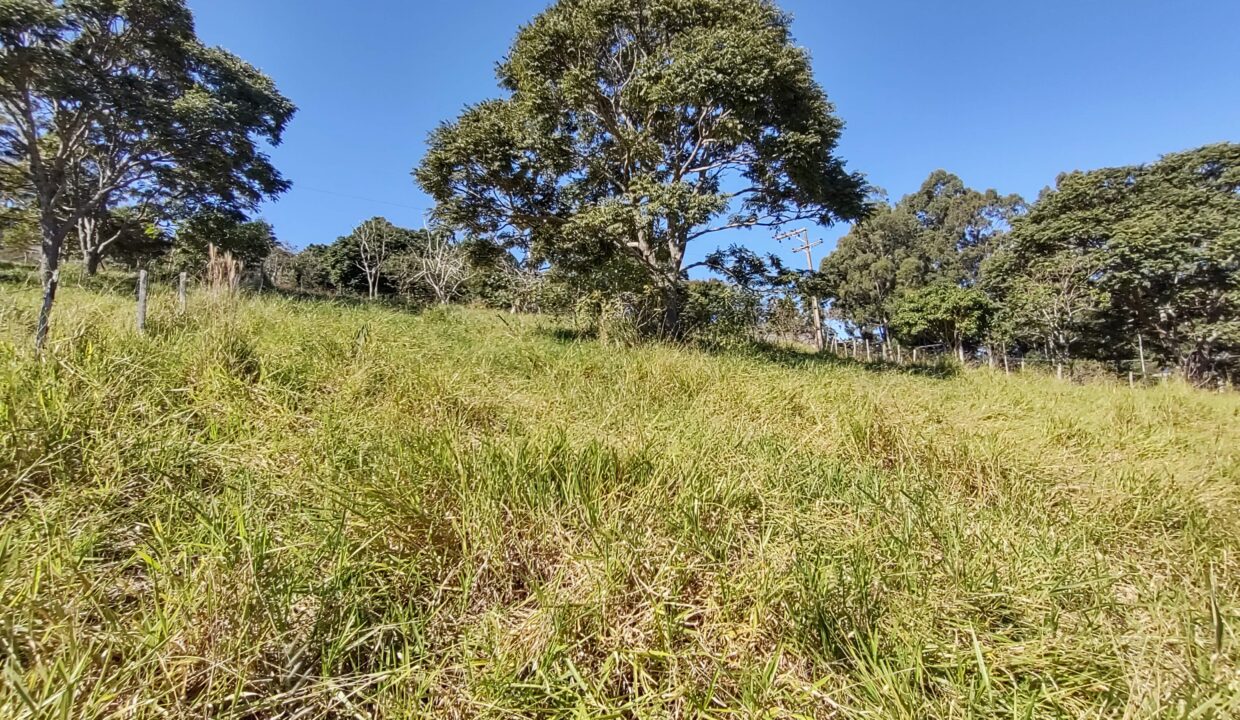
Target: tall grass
275 508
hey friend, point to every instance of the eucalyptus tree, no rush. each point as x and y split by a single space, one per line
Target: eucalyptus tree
880 258
960 226
942 232
635 127
123 91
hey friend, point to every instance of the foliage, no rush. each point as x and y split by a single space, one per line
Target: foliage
361 262
495 275
19 223
718 314
871 265
960 227
312 268
943 232
632 128
249 241
942 313
1163 248
784 318
1047 303
126 235
290 508
106 101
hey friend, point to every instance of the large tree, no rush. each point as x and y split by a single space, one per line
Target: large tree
634 127
123 92
960 226
1163 247
125 233
943 232
882 257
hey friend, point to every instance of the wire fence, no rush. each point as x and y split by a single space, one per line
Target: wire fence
1136 371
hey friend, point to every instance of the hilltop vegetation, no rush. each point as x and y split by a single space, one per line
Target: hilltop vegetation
285 508
579 485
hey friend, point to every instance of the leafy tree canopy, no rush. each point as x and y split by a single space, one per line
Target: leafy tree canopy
942 313
346 260
107 100
633 127
1162 243
248 241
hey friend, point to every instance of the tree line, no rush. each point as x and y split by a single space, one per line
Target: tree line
625 135
628 130
1118 265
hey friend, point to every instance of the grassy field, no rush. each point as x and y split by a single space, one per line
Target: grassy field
279 508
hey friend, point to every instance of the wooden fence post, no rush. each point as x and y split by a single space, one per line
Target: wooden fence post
142 301
181 294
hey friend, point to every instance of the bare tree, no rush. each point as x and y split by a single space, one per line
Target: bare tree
440 266
376 239
525 279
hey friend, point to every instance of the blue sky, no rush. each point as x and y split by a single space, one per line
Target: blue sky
1004 93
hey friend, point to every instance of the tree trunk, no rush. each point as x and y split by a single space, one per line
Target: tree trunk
1196 368
93 260
49 271
673 299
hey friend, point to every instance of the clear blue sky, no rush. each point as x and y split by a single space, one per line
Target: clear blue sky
1005 93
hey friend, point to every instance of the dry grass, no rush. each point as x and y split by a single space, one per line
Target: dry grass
306 510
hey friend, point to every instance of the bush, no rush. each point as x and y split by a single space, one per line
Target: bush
718 314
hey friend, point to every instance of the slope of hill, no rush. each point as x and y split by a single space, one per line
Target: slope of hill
280 508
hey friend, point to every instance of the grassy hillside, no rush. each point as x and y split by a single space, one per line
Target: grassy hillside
297 509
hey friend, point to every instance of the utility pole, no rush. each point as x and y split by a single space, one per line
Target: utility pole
807 248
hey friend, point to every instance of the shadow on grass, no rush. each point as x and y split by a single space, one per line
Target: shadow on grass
780 355
124 283
796 358
567 335
311 297
105 282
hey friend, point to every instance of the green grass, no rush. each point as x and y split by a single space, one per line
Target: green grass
295 509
